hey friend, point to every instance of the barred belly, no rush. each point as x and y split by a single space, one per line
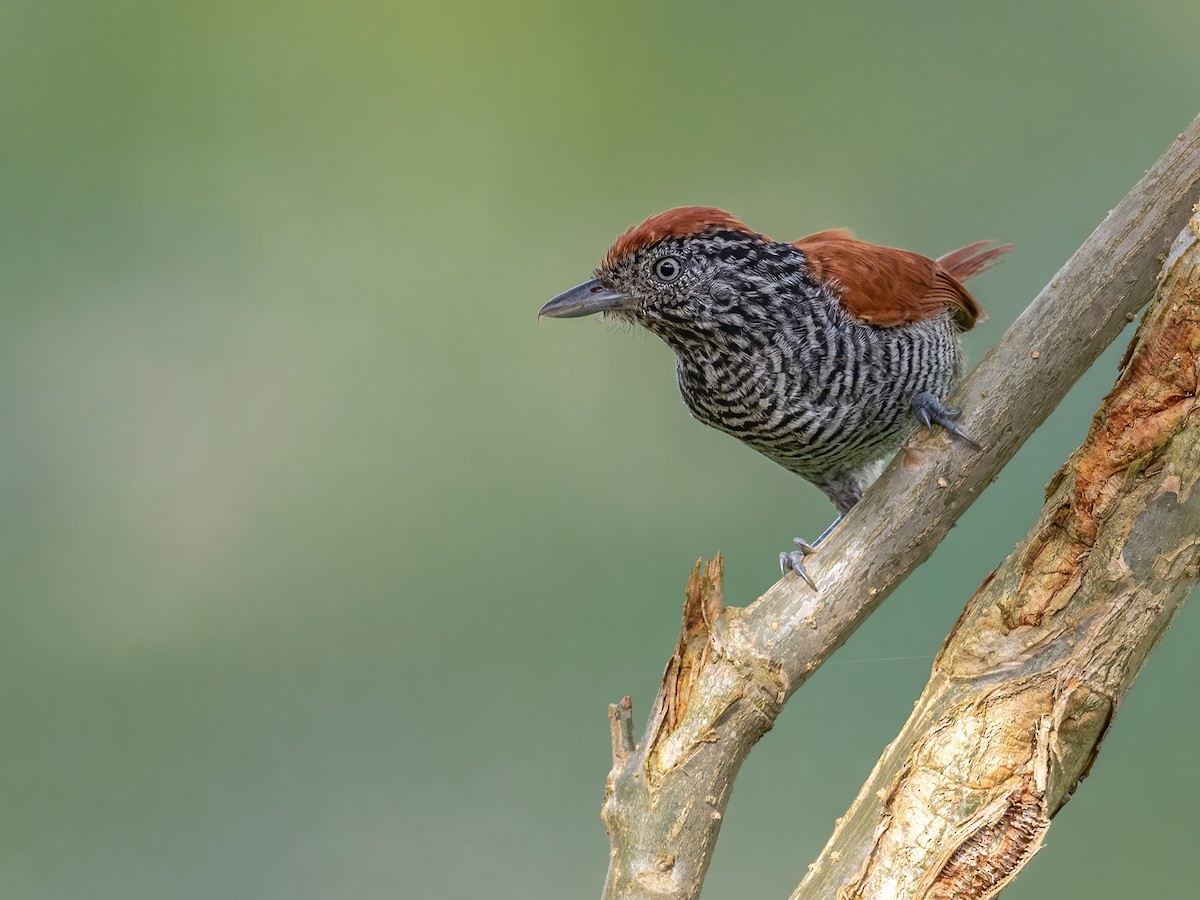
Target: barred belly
823 402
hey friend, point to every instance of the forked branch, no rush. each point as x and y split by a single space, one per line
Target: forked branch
734 668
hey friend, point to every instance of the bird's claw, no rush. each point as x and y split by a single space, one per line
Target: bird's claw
794 561
930 411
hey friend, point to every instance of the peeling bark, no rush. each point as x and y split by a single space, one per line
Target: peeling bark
734 668
1027 684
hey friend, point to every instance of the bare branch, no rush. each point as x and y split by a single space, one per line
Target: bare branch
734 671
1028 682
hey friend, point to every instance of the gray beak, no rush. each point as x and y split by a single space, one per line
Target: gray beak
590 297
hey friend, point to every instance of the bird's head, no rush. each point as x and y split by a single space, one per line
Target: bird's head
678 271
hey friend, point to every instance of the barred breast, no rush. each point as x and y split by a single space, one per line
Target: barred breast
822 398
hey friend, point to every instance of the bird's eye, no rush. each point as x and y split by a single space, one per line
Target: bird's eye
668 269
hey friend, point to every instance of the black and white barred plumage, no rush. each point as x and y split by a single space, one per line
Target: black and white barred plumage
766 352
822 354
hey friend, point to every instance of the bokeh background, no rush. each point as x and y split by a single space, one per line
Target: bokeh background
321 558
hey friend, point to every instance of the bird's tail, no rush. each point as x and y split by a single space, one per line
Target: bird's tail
967 262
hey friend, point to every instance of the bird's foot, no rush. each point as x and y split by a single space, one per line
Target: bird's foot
930 411
794 561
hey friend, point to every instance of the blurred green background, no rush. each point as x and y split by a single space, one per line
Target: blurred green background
321 557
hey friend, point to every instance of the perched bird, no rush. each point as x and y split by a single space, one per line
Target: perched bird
822 354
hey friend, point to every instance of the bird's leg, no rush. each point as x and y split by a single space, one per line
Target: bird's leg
794 561
930 411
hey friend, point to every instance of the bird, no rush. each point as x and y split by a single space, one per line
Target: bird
823 354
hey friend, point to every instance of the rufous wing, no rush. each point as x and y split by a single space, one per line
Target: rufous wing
884 286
